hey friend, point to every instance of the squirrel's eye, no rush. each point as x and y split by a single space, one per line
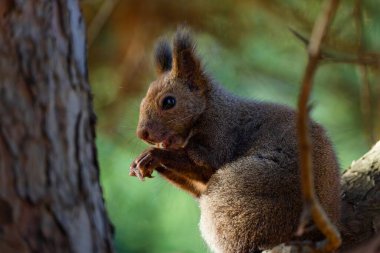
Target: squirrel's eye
168 102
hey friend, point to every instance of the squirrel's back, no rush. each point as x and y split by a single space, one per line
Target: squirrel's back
254 201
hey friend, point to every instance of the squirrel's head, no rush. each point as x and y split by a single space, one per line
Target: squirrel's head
177 98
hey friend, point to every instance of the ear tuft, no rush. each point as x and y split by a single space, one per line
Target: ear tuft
185 62
182 41
163 56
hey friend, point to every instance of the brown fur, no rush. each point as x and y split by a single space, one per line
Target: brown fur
238 156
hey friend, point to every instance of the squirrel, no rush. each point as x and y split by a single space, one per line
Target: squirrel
238 157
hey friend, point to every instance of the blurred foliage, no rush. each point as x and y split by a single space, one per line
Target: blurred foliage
248 47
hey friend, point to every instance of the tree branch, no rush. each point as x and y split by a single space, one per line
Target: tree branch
99 20
312 208
365 91
328 56
361 200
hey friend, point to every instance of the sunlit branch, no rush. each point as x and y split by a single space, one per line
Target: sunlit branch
312 208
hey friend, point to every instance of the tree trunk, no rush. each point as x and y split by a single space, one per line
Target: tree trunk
50 197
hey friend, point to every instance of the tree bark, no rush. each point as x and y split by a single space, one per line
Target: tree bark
50 197
360 223
361 200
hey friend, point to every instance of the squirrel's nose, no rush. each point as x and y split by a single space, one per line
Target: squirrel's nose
143 134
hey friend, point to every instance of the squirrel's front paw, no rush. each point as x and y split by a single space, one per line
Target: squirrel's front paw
144 164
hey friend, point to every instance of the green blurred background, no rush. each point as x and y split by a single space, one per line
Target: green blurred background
248 47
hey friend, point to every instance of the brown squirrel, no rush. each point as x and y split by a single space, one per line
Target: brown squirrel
238 157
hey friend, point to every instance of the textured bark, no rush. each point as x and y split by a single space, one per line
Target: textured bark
360 224
361 200
50 197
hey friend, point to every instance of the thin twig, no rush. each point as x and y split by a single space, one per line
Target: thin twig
366 105
99 20
312 208
329 56
363 59
365 90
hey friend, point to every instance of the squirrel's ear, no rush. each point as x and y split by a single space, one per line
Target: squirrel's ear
163 56
185 62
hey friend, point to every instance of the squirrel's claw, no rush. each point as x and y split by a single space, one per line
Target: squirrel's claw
135 172
143 166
